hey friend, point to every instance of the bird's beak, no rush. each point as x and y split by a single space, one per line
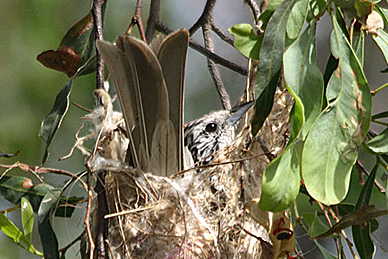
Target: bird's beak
238 111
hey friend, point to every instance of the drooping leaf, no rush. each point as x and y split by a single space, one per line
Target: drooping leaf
76 47
330 150
27 217
53 120
304 81
46 232
16 235
379 144
382 41
361 234
245 40
270 63
296 20
358 47
359 217
281 180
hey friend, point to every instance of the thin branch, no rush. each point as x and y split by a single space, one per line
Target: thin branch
136 20
254 8
206 16
223 36
225 99
101 221
363 169
207 53
153 19
97 23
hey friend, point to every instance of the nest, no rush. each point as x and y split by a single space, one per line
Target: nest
197 213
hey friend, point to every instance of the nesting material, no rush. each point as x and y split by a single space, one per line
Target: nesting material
197 213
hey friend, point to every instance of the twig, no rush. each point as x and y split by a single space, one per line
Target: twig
209 54
223 36
363 169
102 211
225 99
153 19
205 17
254 8
136 20
97 23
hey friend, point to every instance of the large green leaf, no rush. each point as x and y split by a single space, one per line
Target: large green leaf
53 120
382 41
270 64
304 81
330 150
245 40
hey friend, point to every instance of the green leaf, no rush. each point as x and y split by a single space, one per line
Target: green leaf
361 234
363 242
53 120
13 188
382 41
314 8
383 13
326 254
304 81
270 64
245 40
316 226
379 144
358 47
16 235
27 217
46 232
330 150
380 115
296 20
281 180
269 10
358 217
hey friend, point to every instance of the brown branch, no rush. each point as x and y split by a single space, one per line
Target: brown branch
225 99
254 9
137 20
207 53
363 170
153 19
206 16
223 36
97 23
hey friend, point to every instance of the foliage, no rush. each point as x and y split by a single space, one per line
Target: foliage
330 121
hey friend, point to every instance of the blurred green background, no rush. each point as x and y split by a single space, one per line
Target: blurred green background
28 89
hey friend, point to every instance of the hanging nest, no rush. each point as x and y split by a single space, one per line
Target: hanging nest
206 212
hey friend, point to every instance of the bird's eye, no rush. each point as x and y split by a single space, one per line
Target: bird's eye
211 127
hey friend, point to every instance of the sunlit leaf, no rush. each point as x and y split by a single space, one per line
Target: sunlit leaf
16 235
304 81
270 63
53 120
330 150
27 217
245 40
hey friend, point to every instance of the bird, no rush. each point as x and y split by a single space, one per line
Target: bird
149 81
215 131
